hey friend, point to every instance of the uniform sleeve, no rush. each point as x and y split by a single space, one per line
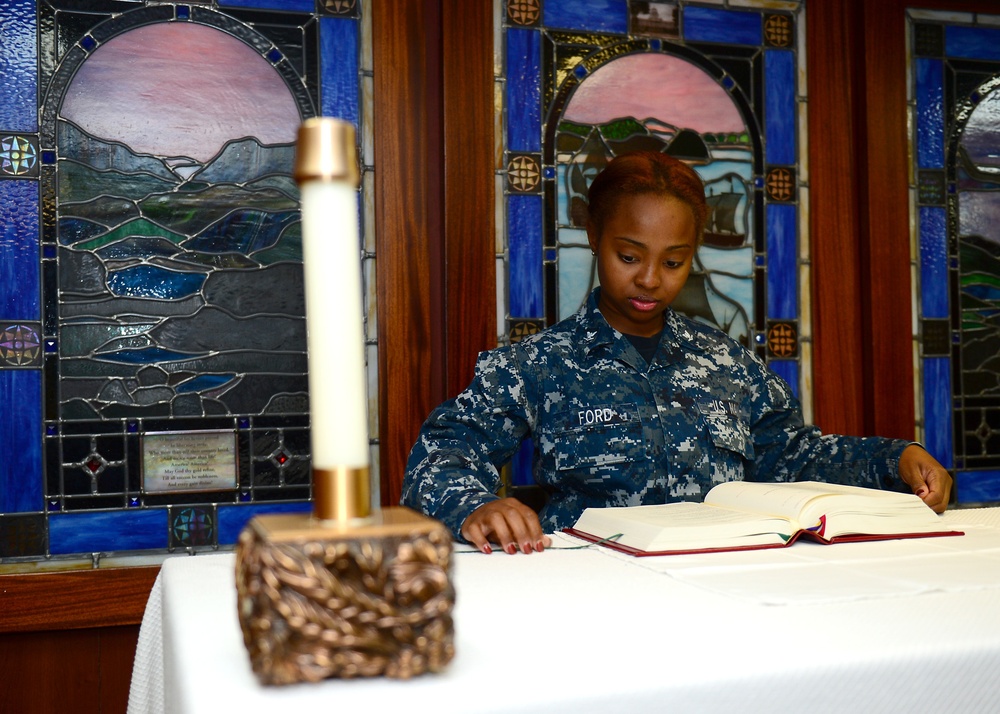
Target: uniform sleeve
785 449
454 467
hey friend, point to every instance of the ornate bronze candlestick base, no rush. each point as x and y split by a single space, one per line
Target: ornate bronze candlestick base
344 592
318 599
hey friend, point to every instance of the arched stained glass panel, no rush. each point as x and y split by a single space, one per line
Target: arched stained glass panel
955 107
720 88
150 267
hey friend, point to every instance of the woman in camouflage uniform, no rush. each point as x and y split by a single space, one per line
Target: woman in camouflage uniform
629 402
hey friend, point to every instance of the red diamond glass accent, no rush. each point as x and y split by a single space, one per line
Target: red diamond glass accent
280 457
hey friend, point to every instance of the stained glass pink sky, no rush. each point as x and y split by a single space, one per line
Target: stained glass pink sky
657 86
180 89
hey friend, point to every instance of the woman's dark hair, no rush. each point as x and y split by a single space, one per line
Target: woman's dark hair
642 172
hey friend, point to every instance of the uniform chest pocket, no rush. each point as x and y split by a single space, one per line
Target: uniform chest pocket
727 428
598 437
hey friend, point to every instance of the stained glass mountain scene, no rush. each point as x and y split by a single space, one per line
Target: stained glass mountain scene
657 102
180 276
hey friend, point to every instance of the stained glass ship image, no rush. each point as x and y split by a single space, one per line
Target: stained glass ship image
721 230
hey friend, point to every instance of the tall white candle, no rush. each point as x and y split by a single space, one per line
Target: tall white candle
331 253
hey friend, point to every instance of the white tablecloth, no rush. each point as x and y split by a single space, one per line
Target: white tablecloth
898 626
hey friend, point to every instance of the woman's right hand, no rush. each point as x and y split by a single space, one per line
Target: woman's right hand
508 523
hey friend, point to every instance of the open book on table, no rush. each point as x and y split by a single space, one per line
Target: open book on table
745 515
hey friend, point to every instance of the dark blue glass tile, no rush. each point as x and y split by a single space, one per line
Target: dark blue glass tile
788 370
151 281
930 114
937 409
183 12
782 269
294 5
21 440
703 24
338 47
779 107
19 263
588 15
18 67
231 519
977 486
107 531
524 121
524 240
933 262
981 43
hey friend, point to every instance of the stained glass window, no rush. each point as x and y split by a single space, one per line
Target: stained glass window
720 87
150 265
954 96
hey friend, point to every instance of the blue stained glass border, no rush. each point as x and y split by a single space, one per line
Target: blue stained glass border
20 266
933 262
788 370
705 24
779 101
232 518
20 440
18 67
338 43
978 486
937 409
108 531
930 113
525 256
981 43
588 15
782 262
524 90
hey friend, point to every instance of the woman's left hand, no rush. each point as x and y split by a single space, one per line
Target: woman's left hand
928 479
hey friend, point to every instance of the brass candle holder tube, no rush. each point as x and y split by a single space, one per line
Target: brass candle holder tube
348 590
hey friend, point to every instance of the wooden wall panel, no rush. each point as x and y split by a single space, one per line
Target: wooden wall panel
839 344
75 599
408 222
434 211
470 224
59 671
73 671
67 640
885 218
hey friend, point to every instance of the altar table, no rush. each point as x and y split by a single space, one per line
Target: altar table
895 626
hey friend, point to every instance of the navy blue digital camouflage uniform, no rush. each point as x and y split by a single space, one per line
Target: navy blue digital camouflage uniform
611 430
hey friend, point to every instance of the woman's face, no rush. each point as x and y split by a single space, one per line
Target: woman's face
644 254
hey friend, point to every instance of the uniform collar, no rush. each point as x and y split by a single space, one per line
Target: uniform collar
595 333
